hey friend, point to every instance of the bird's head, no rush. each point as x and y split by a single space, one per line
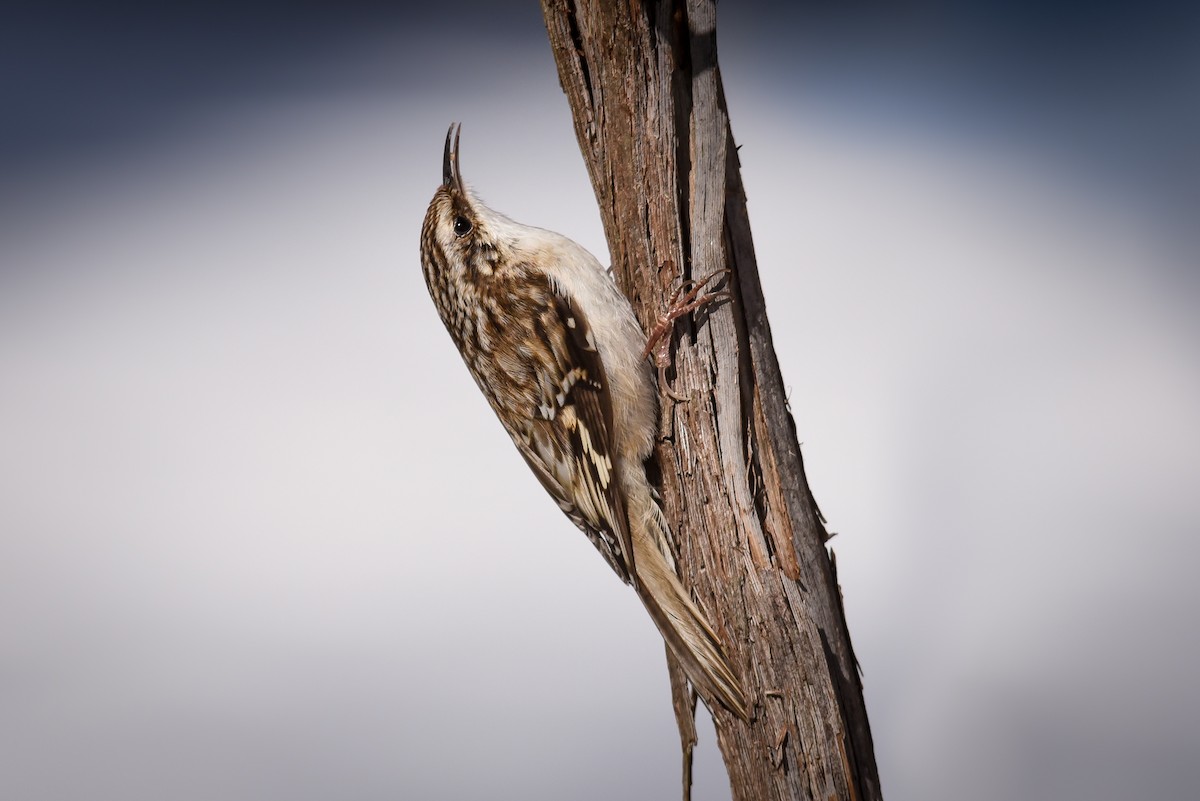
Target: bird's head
460 237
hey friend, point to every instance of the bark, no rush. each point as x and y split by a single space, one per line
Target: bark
651 120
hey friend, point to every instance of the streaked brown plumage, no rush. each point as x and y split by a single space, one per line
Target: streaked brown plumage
559 355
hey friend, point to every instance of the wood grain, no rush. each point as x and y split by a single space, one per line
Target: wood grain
649 109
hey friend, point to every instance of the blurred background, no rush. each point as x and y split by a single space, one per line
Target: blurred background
261 537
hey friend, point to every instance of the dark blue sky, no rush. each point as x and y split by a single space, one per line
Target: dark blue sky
1113 85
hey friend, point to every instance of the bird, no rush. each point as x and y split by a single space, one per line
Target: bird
558 352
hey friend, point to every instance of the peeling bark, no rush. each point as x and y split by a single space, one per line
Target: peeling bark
650 116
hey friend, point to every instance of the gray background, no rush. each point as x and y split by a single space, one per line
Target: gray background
260 536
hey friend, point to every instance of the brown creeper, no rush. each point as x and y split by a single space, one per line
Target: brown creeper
558 353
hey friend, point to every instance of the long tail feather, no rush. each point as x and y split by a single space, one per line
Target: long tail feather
681 623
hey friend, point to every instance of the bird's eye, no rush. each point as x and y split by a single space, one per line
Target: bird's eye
462 226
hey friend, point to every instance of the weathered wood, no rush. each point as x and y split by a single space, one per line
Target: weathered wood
650 116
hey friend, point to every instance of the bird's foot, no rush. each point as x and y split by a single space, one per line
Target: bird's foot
689 297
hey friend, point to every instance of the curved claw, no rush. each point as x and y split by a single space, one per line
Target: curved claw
686 299
668 389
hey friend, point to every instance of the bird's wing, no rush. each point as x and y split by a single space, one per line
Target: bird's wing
568 437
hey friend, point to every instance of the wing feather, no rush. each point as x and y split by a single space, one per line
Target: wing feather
568 440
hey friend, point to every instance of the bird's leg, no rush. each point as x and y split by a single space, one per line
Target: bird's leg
689 297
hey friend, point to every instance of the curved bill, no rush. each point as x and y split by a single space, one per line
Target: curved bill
450 175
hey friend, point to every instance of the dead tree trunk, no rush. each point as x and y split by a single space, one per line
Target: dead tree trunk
651 120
